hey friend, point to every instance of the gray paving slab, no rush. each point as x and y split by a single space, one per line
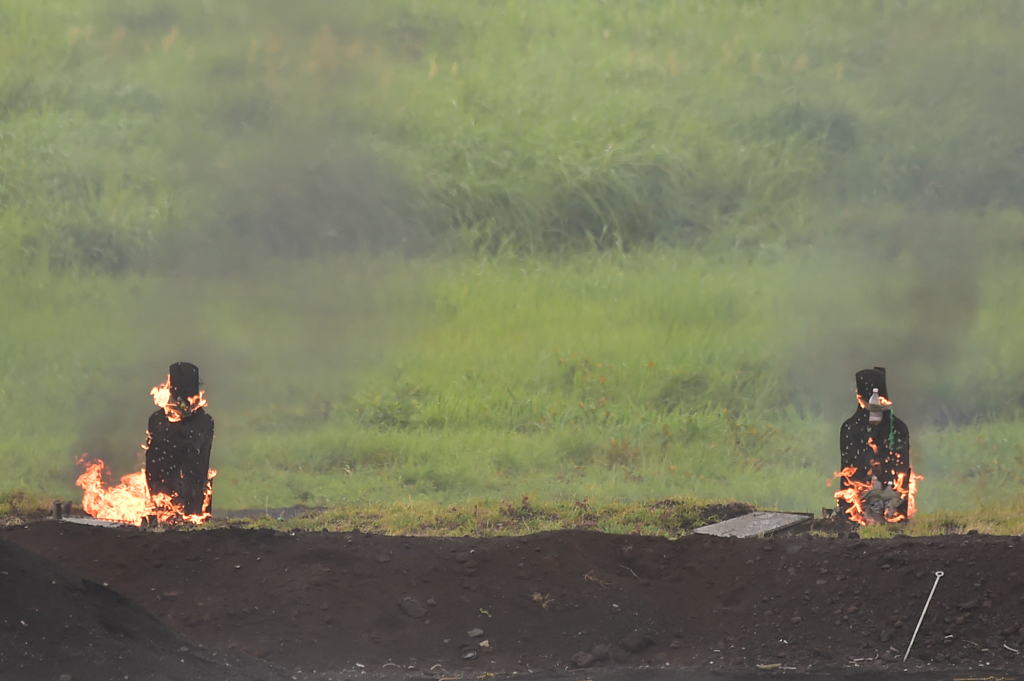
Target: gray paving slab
755 524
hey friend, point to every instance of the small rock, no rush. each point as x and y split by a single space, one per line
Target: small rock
413 608
64 677
969 605
636 642
431 602
887 635
797 620
674 644
600 653
582 659
475 633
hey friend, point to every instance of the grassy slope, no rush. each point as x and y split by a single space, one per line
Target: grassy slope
822 161
523 128
638 376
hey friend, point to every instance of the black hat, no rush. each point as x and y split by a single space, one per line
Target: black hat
869 379
184 380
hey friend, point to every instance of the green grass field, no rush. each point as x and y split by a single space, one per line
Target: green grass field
437 252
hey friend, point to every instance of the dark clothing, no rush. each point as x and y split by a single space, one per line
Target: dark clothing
891 437
178 458
870 380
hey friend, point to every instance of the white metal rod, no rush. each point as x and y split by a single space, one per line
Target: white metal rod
938 576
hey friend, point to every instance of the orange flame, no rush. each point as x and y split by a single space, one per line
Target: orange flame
855 490
885 402
130 501
174 410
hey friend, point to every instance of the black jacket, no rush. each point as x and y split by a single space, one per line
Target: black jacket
889 457
178 458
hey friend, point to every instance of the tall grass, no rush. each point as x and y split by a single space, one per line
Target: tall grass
493 126
606 377
649 242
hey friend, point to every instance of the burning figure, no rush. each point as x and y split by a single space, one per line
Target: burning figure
877 483
179 441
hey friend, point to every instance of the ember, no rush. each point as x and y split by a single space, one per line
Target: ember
176 485
877 484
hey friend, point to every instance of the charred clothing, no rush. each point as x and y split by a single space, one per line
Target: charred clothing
880 450
178 458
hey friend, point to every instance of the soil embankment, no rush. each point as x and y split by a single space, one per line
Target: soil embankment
329 601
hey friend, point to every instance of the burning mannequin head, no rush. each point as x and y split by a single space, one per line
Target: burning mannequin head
180 396
184 380
872 393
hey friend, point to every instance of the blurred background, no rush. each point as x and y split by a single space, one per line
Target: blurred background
453 249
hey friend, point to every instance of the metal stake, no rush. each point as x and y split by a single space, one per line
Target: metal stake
938 576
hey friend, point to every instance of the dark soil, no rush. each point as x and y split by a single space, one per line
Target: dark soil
336 604
55 623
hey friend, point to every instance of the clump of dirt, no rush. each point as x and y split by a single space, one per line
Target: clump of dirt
329 601
716 513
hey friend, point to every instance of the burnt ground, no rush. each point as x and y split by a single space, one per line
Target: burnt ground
266 604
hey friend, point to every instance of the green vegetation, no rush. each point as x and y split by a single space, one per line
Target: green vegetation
450 251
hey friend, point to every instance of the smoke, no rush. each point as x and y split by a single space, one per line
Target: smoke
292 193
292 275
901 292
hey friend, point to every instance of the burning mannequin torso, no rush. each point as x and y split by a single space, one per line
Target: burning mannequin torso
179 441
877 484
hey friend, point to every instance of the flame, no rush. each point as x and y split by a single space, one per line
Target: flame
885 402
176 409
130 501
852 494
904 485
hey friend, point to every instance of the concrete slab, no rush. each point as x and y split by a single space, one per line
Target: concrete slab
95 522
756 524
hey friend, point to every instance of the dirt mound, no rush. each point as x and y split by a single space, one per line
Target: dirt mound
54 623
330 601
